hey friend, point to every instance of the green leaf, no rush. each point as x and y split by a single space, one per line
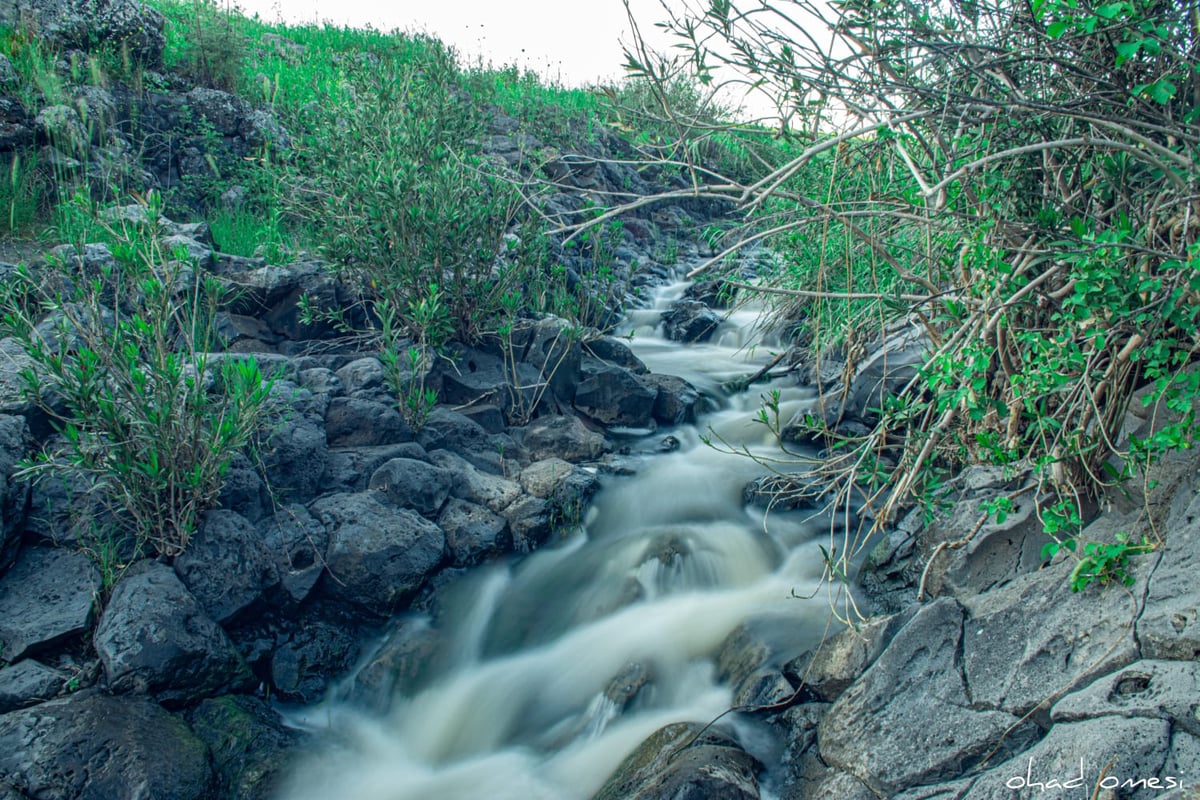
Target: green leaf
1111 10
1055 30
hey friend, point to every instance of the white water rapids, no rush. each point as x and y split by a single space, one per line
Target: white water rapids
666 565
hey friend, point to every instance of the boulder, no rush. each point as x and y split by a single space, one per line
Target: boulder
378 556
481 488
563 437
349 469
690 321
613 395
614 351
296 541
16 129
47 598
244 490
909 719
307 657
365 378
28 683
450 430
413 484
473 533
411 651
824 673
676 400
355 422
154 637
1170 625
250 745
296 451
14 494
684 761
882 372
90 746
226 567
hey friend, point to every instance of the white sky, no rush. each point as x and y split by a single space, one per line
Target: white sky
575 42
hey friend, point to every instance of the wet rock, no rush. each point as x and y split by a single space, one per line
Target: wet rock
481 488
226 566
14 494
562 437
307 657
378 556
684 762
676 400
28 683
413 484
349 469
613 395
48 597
354 422
296 542
154 637
473 533
531 521
690 321
877 733
250 746
616 352
410 651
90 746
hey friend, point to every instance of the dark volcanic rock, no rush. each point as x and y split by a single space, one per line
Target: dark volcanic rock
349 469
684 762
562 437
28 683
613 395
249 744
14 495
49 596
354 422
473 533
90 746
154 637
226 566
690 321
676 401
412 484
378 555
308 656
296 452
296 542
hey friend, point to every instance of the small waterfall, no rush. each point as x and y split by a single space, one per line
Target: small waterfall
563 662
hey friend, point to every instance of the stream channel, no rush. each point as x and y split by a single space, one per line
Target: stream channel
562 662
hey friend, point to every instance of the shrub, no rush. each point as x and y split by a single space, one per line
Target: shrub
148 416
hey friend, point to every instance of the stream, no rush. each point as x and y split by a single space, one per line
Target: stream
562 662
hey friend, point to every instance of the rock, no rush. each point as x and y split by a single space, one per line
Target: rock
481 488
349 469
410 651
90 746
1145 689
296 452
683 761
28 683
226 567
823 674
1170 625
15 126
14 362
881 373
354 422
690 321
154 637
613 395
223 111
877 733
531 522
676 400
413 484
250 746
378 556
1034 637
364 377
244 490
449 430
1072 758
61 126
14 494
616 352
48 597
308 656
296 542
187 249
473 533
562 437
479 377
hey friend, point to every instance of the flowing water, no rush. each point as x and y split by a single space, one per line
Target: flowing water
561 663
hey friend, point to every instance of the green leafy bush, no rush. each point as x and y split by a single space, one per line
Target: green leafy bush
149 417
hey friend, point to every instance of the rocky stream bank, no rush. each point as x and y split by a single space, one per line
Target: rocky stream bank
317 575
